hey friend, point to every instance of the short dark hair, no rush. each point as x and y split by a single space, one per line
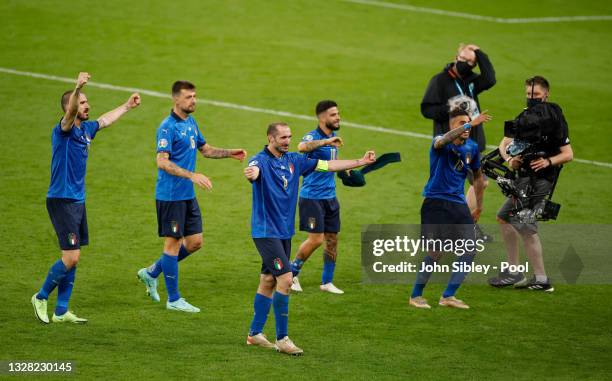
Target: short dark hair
65 99
538 80
325 105
273 127
458 112
181 85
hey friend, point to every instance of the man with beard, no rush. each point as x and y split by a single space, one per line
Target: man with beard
319 208
275 176
70 141
179 219
458 78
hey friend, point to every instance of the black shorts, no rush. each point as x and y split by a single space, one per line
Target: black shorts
443 219
319 216
510 208
275 254
178 218
69 220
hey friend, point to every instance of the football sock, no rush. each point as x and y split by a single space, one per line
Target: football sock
170 268
329 265
281 314
57 272
156 268
457 277
296 266
422 278
541 278
261 305
64 290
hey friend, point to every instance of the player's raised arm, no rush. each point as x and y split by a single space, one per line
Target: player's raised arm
312 145
73 102
112 116
165 164
222 153
342 165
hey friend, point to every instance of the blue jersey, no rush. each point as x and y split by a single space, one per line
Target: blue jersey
275 192
181 139
448 169
319 185
69 160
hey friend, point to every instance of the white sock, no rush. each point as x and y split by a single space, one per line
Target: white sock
541 278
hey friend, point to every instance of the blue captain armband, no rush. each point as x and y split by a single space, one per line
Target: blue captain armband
322 166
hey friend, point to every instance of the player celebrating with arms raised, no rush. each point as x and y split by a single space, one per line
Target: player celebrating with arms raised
70 141
274 174
179 219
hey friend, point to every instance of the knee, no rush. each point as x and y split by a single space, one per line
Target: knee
193 245
267 282
71 259
316 239
283 282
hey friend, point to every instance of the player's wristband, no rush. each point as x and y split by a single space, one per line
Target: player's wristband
322 166
549 161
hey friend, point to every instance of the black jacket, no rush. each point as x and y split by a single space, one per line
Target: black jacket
443 86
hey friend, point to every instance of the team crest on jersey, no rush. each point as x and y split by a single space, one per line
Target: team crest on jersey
278 264
291 168
72 239
174 226
163 143
312 223
308 137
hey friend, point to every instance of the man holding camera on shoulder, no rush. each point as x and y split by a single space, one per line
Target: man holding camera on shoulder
535 145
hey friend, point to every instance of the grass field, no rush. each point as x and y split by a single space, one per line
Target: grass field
287 55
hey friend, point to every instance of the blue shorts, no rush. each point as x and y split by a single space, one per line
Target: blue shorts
443 219
275 254
178 218
319 216
69 220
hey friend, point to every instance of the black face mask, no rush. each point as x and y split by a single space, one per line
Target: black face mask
463 68
533 102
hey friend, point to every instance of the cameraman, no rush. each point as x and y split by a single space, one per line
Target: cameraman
458 78
552 145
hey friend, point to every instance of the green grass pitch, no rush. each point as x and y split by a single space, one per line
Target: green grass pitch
287 55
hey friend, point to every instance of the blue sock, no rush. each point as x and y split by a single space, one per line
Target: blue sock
57 272
64 290
262 306
170 268
422 278
329 265
457 277
156 268
296 266
281 314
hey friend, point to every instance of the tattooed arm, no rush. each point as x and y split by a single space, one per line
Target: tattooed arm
312 145
221 153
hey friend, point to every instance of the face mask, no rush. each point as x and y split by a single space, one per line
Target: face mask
463 68
533 102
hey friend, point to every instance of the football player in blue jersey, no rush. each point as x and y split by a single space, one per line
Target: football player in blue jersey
445 213
70 140
179 219
274 174
319 207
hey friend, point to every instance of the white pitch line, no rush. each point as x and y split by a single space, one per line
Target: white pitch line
235 106
470 16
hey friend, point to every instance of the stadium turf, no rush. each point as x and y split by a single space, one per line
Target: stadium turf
287 55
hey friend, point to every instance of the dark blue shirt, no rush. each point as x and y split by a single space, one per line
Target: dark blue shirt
275 192
181 139
319 185
69 160
448 169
